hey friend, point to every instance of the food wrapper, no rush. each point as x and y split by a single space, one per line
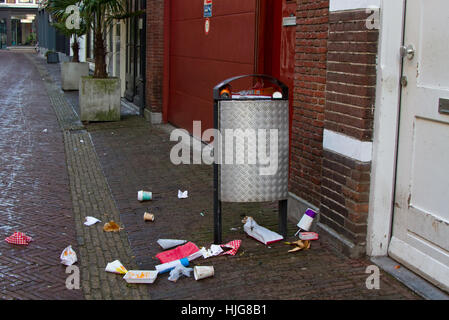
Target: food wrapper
112 227
140 276
116 267
260 233
68 256
299 245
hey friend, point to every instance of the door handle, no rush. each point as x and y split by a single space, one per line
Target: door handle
408 51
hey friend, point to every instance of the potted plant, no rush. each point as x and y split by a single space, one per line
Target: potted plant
99 95
72 71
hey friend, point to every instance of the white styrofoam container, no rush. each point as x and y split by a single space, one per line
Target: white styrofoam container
140 276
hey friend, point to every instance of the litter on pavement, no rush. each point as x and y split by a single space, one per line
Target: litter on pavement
299 245
214 251
68 256
197 254
148 217
170 243
90 221
112 227
306 221
203 272
178 271
233 245
168 266
140 276
260 233
177 253
308 236
183 195
144 196
19 238
116 267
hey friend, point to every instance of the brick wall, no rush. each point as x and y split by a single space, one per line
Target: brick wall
309 99
351 76
349 109
154 55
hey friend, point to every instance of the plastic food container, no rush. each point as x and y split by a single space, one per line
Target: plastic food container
140 276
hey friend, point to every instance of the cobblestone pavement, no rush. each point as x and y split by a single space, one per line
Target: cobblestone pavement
110 162
34 187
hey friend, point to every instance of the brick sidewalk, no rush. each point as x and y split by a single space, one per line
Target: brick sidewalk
35 195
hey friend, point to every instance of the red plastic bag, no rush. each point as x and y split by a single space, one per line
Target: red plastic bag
178 253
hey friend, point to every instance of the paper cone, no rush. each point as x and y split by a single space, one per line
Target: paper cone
169 243
116 267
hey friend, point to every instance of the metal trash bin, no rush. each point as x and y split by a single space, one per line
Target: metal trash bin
258 126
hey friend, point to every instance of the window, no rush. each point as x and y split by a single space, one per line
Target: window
2 1
25 1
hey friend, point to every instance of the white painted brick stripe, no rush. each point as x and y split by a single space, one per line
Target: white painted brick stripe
340 5
347 146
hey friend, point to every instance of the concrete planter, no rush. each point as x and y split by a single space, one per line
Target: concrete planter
99 99
71 73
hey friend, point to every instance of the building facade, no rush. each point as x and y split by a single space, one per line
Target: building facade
17 22
49 38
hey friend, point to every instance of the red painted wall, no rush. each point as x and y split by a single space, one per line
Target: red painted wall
197 62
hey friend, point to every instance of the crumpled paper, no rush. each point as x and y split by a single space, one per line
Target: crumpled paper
214 250
299 245
90 221
68 256
183 195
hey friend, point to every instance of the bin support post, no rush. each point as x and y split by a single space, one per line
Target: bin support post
217 202
283 218
217 209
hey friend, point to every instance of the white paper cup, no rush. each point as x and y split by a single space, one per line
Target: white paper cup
144 196
202 272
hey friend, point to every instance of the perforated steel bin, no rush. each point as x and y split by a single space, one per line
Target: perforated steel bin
252 156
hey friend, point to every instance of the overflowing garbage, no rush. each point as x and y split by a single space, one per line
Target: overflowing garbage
177 254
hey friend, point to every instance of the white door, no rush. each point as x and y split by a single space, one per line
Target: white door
420 238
